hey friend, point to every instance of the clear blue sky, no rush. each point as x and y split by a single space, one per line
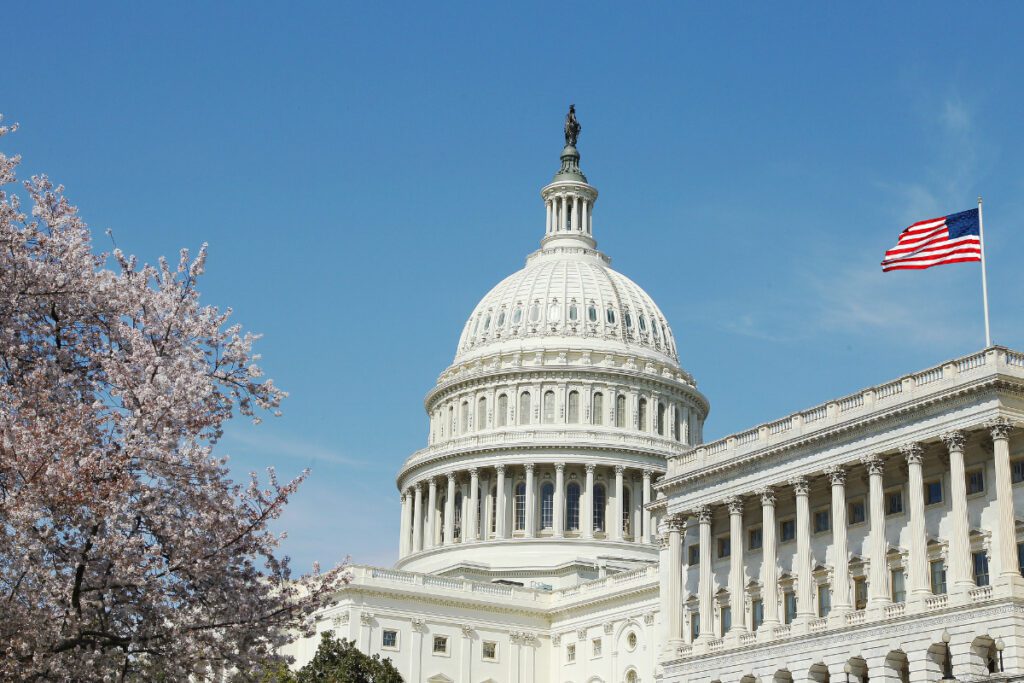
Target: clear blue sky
365 174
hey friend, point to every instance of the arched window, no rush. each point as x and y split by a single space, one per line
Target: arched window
610 315
568 215
464 417
481 413
592 313
574 312
641 415
501 318
479 512
620 411
441 517
487 322
547 505
628 317
451 420
631 677
499 419
599 500
458 515
625 510
572 507
549 407
661 418
642 319
574 407
440 421
517 315
597 411
494 509
524 408
554 312
520 505
534 312
676 428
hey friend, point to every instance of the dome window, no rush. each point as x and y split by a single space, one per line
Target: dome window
574 312
487 322
501 318
628 317
476 326
656 331
592 313
554 313
610 316
643 323
534 313
517 316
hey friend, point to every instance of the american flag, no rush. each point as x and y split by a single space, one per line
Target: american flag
955 238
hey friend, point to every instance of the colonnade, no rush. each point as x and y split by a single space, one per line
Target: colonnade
569 212
959 566
527 500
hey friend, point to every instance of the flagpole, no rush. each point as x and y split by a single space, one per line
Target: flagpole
984 278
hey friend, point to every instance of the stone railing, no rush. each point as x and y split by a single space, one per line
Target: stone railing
610 584
994 360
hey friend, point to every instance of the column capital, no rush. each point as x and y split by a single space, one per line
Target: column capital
675 522
836 474
767 495
529 467
913 452
418 486
451 477
874 464
590 467
648 473
474 472
1000 428
954 440
619 469
801 486
703 514
735 504
500 469
432 482
559 467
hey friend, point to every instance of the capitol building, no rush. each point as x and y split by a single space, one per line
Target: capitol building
567 523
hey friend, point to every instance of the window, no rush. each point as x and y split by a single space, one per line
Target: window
517 316
824 600
661 419
597 410
933 492
643 322
757 613
609 315
1020 558
694 626
625 511
822 521
389 639
980 562
592 313
599 500
524 408
520 502
789 603
574 312
726 620
499 419
458 514
755 538
464 417
724 547
620 411
549 407
937 571
494 509
1017 471
489 650
894 502
975 481
481 413
570 653
534 312
595 647
628 317
572 507
547 505
787 530
860 593
574 407
440 645
855 512
631 641
554 313
487 322
501 318
694 554
899 589
677 427
641 413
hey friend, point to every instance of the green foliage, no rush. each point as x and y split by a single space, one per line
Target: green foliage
336 661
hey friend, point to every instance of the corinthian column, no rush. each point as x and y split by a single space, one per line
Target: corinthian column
417 519
558 511
531 521
1006 528
474 502
403 543
675 527
449 512
499 505
431 534
841 559
645 532
705 589
769 566
588 496
617 508
878 588
802 489
959 542
736 578
920 586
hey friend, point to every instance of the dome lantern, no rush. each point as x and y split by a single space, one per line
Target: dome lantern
569 198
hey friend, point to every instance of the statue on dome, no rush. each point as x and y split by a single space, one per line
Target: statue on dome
572 126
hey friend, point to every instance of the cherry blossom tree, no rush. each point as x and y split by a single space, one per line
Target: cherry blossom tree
126 551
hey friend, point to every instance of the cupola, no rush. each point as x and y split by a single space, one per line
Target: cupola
569 198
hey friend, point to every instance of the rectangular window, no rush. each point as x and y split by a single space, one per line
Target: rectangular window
789 602
755 539
1017 471
933 492
570 653
938 577
694 551
440 645
726 619
694 626
899 590
389 638
490 650
860 593
980 562
855 512
1020 558
595 646
894 502
975 481
757 613
724 548
787 530
824 600
822 521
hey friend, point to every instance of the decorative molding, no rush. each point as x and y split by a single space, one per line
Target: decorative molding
954 440
581 634
419 625
836 475
366 618
801 486
735 504
649 619
467 631
767 495
913 452
609 627
703 514
1000 428
874 464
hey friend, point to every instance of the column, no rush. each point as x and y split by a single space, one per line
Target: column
485 509
430 532
403 543
561 213
1006 528
617 517
840 547
449 511
575 215
645 536
675 525
500 527
736 578
769 565
802 489
959 543
920 584
585 216
417 519
531 526
559 503
474 503
878 585
705 589
588 508
547 228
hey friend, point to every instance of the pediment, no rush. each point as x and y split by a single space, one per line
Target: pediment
440 678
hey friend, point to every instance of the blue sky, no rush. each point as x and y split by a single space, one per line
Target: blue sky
364 174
